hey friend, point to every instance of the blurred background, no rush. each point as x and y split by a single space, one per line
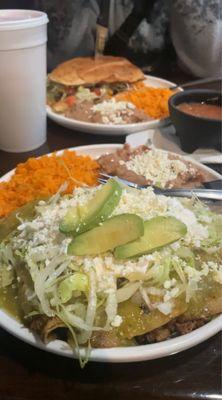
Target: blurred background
158 35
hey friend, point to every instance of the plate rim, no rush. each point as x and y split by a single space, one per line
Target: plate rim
116 354
8 174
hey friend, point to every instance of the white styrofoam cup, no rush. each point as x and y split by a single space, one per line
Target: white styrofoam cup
23 37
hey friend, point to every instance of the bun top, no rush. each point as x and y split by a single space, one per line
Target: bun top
91 71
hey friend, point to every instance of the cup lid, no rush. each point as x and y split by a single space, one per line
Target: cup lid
21 19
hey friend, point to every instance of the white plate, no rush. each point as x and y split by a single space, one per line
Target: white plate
115 130
119 354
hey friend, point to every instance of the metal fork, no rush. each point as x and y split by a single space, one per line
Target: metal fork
210 194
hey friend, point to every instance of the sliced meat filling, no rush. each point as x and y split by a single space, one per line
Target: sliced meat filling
170 330
48 328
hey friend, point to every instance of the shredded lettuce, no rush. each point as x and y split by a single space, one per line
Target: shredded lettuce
215 233
186 254
6 275
43 276
159 272
111 308
91 308
213 222
85 94
127 291
76 282
54 91
7 261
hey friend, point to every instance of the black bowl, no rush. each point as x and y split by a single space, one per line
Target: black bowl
195 132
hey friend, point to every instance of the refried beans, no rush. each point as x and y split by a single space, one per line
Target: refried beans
107 112
188 175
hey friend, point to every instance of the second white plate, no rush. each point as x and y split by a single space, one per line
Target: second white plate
114 130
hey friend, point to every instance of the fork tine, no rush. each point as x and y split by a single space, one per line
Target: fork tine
103 181
201 193
106 175
131 184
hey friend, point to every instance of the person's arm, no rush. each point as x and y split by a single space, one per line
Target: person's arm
7 4
196 32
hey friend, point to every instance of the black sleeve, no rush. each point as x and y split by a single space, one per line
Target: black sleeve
6 4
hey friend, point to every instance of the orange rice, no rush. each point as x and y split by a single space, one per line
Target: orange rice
153 101
40 177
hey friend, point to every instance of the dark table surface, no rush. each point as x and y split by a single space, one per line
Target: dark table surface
27 373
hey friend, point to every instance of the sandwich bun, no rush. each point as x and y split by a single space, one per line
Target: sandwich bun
92 71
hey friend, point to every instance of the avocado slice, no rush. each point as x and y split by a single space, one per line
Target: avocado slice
70 221
114 231
158 232
83 218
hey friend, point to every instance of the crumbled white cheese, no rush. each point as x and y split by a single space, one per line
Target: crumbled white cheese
112 111
205 218
154 291
196 232
218 275
169 283
165 308
174 292
215 268
156 166
175 246
141 202
117 321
